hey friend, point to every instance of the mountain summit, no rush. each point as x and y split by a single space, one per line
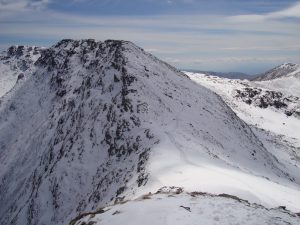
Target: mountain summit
96 122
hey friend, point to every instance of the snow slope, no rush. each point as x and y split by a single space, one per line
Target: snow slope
271 125
176 208
101 121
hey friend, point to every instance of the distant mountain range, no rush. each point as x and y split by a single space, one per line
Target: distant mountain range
230 75
284 70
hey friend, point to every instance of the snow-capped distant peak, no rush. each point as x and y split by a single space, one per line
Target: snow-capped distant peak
281 71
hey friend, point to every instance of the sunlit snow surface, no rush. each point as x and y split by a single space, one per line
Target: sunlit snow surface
18 60
279 135
173 163
7 80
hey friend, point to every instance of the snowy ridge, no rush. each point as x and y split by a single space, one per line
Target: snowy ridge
101 121
174 206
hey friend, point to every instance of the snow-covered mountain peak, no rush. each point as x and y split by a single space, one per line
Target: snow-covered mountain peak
289 65
89 53
96 122
82 125
93 45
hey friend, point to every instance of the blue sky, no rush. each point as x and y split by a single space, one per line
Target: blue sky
221 35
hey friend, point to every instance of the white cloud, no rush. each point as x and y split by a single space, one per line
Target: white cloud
293 11
14 6
37 4
290 12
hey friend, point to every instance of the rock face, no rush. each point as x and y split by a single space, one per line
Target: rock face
79 131
284 70
70 136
